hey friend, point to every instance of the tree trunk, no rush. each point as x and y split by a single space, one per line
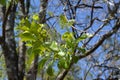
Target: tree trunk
9 45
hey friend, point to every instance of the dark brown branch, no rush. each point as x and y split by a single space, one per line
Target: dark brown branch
22 47
62 74
9 45
22 5
21 59
6 13
84 6
89 6
107 67
104 37
27 6
94 35
87 72
1 39
42 13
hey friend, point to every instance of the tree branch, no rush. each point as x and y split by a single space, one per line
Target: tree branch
5 16
104 37
1 39
22 5
9 45
22 47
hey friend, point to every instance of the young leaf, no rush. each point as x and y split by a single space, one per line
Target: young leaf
68 36
54 46
71 22
63 21
83 37
61 53
27 36
35 17
23 28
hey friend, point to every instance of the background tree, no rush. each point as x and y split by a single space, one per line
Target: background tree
60 39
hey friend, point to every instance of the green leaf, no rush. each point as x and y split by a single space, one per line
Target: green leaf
47 43
89 35
66 65
60 63
50 13
29 44
83 50
3 2
75 59
30 58
68 36
42 63
25 22
61 53
50 70
35 17
63 64
83 37
29 50
36 51
71 22
34 27
24 28
27 36
54 46
63 21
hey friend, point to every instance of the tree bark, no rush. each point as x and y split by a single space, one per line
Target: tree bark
22 48
9 45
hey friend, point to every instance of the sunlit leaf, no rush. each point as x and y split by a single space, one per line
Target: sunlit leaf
68 36
61 53
54 46
35 17
24 28
89 35
63 21
71 22
29 44
27 36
